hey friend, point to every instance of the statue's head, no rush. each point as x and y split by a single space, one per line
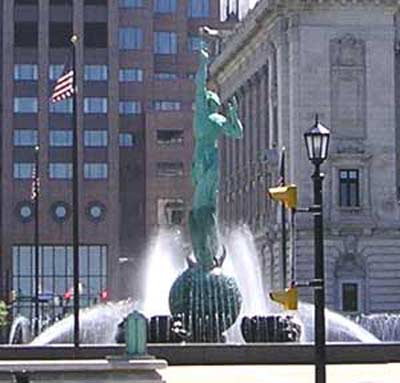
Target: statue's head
213 101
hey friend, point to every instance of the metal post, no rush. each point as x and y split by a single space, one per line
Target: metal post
283 219
35 198
75 199
319 290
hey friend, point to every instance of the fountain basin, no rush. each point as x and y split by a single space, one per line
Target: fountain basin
108 370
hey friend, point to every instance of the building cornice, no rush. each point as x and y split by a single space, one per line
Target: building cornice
266 11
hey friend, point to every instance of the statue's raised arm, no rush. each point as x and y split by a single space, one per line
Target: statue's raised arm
201 86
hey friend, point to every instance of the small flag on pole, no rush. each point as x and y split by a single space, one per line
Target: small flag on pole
35 185
64 87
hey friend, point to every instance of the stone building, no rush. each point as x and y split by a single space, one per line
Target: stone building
285 62
135 65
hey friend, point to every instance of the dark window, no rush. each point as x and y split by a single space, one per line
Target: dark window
60 34
170 211
26 35
60 2
349 185
169 137
26 2
169 169
350 297
96 2
96 35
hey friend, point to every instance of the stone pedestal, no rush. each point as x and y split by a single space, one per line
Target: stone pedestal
76 371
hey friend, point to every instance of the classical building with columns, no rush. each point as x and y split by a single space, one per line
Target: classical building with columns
285 62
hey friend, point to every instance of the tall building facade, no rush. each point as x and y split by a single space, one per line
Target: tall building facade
135 65
285 62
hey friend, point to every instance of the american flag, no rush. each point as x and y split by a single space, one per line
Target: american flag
35 185
64 87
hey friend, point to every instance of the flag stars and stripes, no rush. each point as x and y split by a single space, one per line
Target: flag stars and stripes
35 185
64 87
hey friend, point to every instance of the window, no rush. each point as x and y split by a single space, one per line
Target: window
95 73
95 211
165 76
25 137
130 3
23 170
55 71
26 34
350 297
95 170
127 139
60 138
56 274
54 3
24 211
102 3
349 188
170 211
169 137
165 6
130 38
25 72
60 211
95 35
169 169
194 44
130 107
60 34
167 105
165 43
95 138
26 2
60 170
64 106
130 74
25 105
95 105
198 8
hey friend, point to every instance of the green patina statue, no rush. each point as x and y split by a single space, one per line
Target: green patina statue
208 126
208 301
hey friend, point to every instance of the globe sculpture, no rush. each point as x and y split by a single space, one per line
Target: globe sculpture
206 301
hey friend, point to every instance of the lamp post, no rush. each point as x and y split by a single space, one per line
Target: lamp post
317 143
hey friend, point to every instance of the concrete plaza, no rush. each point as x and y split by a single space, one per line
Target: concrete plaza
355 373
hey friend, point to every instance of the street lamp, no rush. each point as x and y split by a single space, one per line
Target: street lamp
317 143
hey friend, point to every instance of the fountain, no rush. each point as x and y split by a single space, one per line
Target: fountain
219 296
99 323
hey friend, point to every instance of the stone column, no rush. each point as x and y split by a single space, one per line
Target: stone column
282 73
272 96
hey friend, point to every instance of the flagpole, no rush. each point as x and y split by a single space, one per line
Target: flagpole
283 219
35 198
75 197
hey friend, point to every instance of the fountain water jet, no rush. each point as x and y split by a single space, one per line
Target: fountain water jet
99 323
